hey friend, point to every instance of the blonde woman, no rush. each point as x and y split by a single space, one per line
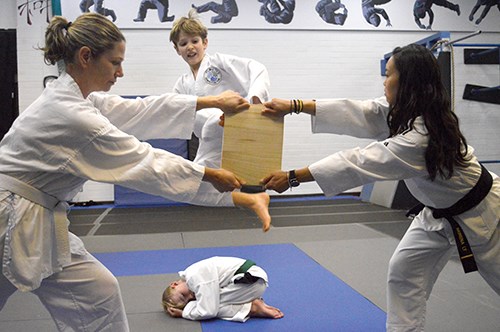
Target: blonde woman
64 139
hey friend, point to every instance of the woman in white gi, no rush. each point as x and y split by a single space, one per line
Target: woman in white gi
225 287
421 143
213 74
62 140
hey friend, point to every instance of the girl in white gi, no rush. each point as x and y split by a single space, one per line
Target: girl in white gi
64 139
421 143
212 74
225 287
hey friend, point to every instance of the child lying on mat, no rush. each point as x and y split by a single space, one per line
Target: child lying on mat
229 288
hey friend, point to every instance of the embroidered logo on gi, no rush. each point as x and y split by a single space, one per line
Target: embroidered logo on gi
213 75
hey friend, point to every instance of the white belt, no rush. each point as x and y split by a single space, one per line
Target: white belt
59 208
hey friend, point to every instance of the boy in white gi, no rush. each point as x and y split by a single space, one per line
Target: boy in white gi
225 287
208 75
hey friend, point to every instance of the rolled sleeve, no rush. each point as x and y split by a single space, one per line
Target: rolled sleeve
397 158
115 157
362 119
167 116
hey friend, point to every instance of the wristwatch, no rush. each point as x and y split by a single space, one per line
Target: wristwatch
292 179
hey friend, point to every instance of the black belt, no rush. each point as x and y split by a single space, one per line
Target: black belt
469 201
247 277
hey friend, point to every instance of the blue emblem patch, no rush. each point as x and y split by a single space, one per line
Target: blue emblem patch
213 75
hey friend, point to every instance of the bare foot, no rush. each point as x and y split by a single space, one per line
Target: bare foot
258 203
261 309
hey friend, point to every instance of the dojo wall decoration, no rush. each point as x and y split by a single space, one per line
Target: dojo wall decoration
390 15
28 8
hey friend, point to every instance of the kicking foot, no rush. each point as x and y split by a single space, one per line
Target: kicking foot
261 309
168 18
258 203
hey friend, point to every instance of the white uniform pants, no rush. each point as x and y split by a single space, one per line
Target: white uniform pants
236 300
85 296
415 265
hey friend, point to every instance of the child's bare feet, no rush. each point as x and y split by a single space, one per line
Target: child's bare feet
261 309
258 203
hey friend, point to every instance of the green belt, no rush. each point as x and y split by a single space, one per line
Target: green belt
245 266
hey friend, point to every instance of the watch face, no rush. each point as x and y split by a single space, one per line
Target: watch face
292 179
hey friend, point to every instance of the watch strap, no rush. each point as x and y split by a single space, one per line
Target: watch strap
292 179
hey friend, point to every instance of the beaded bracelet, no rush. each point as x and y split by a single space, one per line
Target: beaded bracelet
296 106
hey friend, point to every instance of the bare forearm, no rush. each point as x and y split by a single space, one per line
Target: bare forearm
282 107
280 181
208 102
304 175
228 102
309 107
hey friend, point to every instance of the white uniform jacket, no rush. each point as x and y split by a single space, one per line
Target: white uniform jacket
218 73
401 157
207 279
61 141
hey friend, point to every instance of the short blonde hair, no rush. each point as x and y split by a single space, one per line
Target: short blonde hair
167 301
63 38
190 25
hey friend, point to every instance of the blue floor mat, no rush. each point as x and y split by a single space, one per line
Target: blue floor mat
311 297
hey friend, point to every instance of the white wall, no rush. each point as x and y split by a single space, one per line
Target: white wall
302 64
8 16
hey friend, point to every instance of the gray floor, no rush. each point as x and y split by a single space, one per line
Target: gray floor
352 239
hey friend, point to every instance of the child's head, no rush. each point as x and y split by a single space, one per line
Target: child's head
189 25
177 295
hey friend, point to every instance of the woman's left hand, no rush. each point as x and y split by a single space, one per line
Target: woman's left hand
231 102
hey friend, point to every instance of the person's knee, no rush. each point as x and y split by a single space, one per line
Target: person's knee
103 285
107 304
108 285
104 305
260 287
395 273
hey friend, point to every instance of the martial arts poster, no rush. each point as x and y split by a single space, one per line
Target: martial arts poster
390 15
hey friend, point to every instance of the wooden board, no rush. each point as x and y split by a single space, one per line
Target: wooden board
252 145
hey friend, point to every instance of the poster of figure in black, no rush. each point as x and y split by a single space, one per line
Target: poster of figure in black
390 15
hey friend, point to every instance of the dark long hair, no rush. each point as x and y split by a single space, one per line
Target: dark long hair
422 93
